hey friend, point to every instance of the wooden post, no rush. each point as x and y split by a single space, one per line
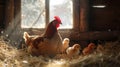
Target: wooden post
76 14
9 17
47 11
9 13
84 19
2 7
84 10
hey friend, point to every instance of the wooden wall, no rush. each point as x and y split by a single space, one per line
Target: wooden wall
105 19
2 5
89 20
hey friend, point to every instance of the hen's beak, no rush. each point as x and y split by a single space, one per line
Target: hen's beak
60 22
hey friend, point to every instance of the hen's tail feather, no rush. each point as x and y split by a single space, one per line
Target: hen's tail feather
26 35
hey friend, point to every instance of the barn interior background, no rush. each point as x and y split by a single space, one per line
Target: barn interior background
95 21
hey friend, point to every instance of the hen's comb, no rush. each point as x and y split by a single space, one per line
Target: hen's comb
57 18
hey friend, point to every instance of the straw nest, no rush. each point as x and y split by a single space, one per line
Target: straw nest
106 55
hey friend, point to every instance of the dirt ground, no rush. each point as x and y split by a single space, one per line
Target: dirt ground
107 56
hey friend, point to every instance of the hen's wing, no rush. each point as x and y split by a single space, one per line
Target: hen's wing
37 41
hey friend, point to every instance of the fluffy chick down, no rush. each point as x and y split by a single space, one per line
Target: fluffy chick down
89 49
65 43
73 51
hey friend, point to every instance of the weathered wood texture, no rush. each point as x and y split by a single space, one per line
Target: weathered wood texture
84 11
85 26
100 35
104 19
9 13
76 14
2 6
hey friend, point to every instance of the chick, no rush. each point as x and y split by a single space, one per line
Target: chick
88 50
73 51
100 48
65 44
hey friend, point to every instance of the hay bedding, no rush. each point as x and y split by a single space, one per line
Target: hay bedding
108 56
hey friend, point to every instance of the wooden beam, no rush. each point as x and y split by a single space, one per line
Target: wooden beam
84 15
83 23
100 35
76 14
9 13
47 6
9 16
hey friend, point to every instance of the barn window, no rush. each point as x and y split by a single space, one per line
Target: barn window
62 8
37 13
33 13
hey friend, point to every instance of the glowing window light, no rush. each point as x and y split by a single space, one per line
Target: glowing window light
31 9
99 6
63 9
33 13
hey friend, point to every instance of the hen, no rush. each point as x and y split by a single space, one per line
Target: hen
48 44
73 51
89 49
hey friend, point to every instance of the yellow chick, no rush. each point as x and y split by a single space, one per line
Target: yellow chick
65 44
100 48
73 51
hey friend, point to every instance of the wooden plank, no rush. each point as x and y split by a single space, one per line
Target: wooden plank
84 10
1 18
104 19
83 26
2 2
100 35
47 11
2 6
9 13
76 14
